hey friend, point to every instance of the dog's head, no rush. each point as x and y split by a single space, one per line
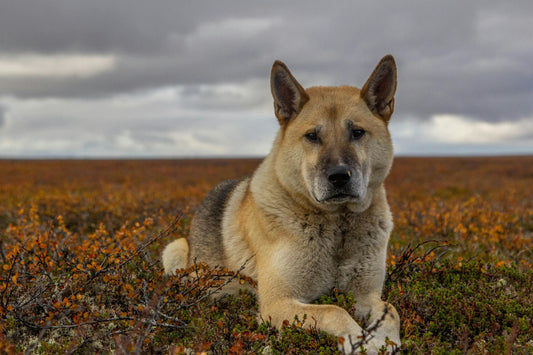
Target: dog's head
334 147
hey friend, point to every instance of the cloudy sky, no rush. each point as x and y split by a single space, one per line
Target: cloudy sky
189 78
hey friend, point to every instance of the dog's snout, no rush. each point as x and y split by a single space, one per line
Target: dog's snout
339 175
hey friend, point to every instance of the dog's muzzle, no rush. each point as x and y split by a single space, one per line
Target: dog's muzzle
340 184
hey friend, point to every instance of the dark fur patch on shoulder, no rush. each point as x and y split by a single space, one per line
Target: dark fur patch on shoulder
205 240
215 201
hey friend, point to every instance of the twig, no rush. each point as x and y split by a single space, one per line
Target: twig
406 257
367 334
218 288
170 229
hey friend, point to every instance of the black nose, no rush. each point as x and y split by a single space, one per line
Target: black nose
339 175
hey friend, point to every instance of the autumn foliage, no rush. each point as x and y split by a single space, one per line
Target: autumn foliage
80 269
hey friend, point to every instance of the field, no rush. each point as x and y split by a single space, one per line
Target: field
80 269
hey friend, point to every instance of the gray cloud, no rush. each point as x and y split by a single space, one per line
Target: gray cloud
2 116
469 59
454 56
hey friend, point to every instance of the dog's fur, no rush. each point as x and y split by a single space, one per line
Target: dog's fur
314 215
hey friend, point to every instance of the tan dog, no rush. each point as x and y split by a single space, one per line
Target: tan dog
314 215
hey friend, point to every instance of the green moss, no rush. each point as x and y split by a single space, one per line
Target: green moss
460 306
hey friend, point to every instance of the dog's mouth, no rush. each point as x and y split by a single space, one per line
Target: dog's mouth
340 198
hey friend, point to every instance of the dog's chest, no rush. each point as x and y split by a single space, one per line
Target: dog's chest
339 251
327 235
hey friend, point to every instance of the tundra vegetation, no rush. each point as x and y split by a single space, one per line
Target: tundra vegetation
80 264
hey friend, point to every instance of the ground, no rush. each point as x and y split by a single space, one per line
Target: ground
81 242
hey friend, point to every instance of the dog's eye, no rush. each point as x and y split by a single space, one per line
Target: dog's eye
357 133
312 137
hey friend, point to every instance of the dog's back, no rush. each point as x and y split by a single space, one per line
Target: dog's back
204 243
205 238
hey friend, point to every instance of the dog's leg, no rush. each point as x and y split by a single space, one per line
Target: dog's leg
329 318
278 302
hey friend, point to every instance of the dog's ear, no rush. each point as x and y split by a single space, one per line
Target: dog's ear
380 87
289 96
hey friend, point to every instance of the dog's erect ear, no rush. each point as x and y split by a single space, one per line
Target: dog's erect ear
379 89
289 96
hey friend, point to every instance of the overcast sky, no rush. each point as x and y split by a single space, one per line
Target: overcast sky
190 78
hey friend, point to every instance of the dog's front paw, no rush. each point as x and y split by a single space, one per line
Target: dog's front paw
355 345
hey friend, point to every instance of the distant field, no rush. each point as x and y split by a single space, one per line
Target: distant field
80 270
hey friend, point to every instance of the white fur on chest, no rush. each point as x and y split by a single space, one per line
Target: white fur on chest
347 251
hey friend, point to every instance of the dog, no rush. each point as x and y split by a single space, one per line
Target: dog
314 215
